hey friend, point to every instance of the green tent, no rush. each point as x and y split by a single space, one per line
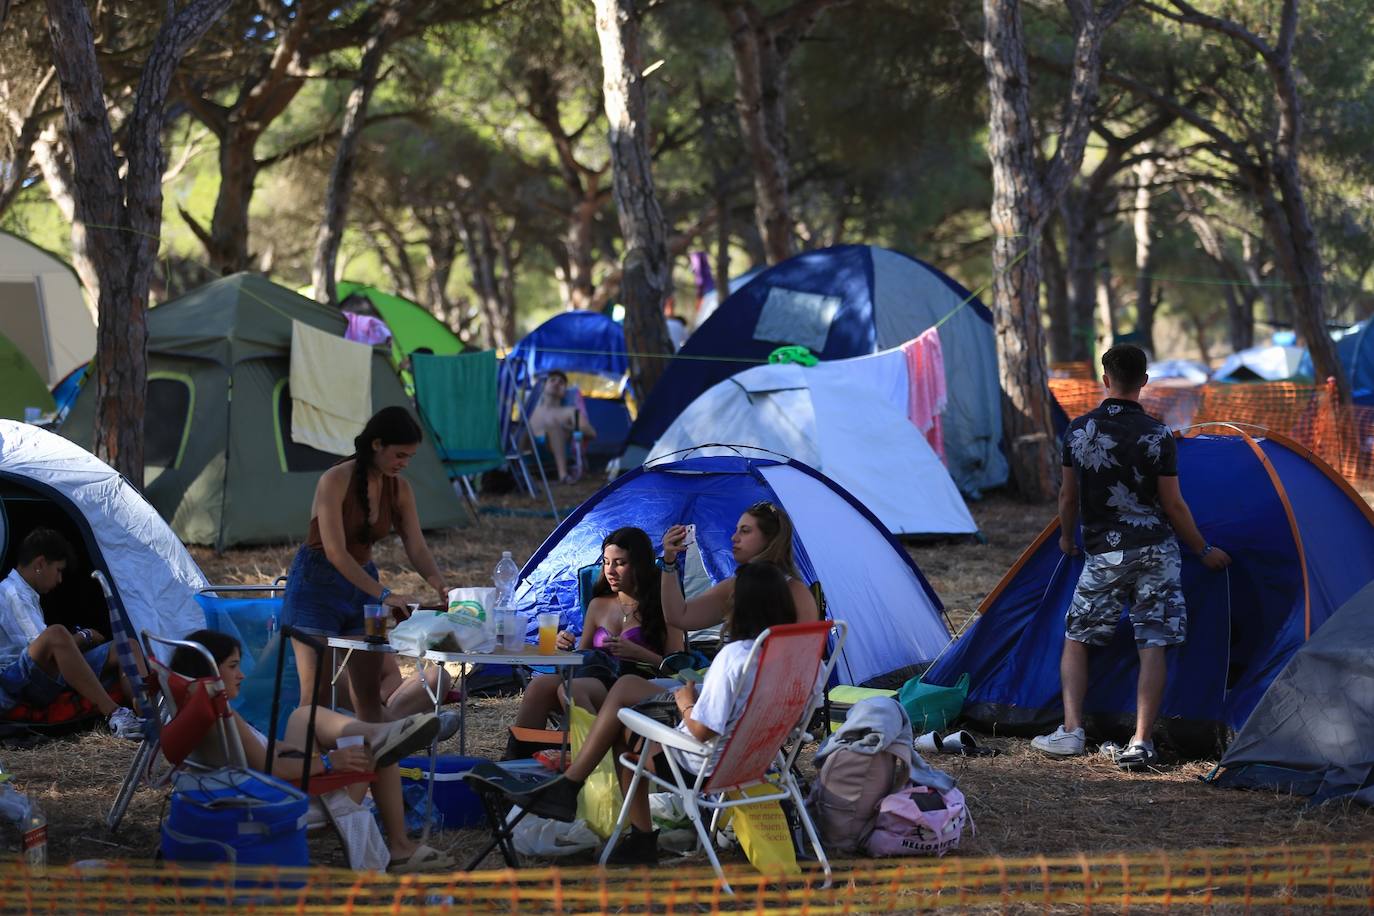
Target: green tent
20 384
412 326
220 463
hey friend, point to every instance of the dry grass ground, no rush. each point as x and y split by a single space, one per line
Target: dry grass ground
1023 803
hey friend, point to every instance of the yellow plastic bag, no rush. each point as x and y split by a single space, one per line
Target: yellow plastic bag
599 801
763 833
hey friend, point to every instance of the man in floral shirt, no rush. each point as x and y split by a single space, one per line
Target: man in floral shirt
1121 473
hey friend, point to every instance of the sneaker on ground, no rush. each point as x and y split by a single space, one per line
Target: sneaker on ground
1111 750
448 724
1060 743
1138 755
124 724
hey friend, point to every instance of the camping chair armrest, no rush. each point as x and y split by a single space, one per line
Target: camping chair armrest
661 734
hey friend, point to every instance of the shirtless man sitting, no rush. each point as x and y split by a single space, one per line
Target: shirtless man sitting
554 419
37 661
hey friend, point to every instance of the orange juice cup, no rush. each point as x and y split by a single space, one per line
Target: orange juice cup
548 634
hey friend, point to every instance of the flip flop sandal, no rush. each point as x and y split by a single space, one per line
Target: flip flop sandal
423 859
406 737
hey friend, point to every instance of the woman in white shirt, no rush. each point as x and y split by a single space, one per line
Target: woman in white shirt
385 744
761 597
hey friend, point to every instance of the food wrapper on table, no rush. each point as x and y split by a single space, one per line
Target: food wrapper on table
467 626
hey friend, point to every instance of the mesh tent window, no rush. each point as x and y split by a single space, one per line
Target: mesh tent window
293 456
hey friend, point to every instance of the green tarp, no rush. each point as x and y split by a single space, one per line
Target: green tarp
20 384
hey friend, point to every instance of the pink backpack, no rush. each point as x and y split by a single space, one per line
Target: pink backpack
919 821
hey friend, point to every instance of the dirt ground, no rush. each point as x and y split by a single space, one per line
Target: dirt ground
1022 803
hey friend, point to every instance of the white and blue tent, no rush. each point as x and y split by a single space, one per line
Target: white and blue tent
869 581
847 418
846 301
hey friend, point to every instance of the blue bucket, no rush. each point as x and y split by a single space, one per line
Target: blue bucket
236 816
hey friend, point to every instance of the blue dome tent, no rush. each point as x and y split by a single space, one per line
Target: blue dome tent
869 581
1356 351
590 348
1302 542
850 300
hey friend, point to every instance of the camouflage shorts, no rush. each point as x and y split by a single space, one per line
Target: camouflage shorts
1146 578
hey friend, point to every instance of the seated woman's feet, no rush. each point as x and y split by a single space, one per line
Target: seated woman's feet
638 847
555 799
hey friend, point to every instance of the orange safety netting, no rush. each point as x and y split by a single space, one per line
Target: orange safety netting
1309 879
1341 435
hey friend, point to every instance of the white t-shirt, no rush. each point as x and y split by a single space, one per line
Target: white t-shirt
724 691
21 617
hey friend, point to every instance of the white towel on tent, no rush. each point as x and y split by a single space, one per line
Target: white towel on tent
331 389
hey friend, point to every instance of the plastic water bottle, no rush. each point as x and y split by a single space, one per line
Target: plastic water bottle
503 577
28 818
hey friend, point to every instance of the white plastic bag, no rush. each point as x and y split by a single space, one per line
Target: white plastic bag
425 630
540 836
470 611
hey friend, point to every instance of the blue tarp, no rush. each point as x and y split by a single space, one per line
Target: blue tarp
1243 624
1356 351
850 300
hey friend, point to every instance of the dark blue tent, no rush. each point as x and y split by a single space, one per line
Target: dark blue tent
893 614
1302 541
590 346
1356 351
846 301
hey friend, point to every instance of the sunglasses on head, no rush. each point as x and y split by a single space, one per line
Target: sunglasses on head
762 508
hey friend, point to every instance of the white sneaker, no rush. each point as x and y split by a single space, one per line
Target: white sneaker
124 724
1060 743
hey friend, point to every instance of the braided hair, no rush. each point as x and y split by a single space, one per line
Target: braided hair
391 426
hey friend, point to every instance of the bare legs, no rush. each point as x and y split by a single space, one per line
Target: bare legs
607 732
1073 672
544 696
330 726
56 652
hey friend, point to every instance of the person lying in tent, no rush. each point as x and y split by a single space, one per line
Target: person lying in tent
38 662
555 416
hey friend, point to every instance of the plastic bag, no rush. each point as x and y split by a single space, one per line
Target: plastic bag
426 630
470 611
763 832
598 804
540 836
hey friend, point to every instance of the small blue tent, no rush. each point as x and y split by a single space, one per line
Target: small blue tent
869 581
846 301
590 348
1302 542
1356 351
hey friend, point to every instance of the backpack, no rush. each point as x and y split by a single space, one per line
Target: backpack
845 796
919 821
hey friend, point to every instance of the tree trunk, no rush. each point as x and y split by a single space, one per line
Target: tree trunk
1083 243
1237 288
1145 171
477 242
581 286
1056 297
645 279
346 159
57 179
122 213
1021 202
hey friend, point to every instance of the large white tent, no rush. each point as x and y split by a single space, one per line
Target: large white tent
846 418
41 309
50 481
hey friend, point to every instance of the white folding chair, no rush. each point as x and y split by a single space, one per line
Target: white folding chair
790 672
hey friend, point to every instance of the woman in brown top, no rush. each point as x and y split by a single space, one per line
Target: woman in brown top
357 502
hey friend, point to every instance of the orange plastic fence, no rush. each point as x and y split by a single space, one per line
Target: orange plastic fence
1314 879
1342 435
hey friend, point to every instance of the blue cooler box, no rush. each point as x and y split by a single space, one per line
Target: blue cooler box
454 800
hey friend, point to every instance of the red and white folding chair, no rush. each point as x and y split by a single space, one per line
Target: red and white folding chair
790 673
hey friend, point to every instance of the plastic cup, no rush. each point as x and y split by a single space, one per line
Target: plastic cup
513 636
374 621
548 633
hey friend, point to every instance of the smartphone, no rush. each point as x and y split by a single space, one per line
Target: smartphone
691 535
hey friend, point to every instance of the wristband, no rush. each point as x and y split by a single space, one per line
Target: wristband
1206 549
324 760
385 591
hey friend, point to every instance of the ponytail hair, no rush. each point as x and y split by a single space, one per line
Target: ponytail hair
391 426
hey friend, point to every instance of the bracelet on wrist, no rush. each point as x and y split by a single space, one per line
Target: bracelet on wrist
385 591
1206 549
324 762
669 565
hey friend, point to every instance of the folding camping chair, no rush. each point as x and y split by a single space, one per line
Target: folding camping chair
458 400
788 662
